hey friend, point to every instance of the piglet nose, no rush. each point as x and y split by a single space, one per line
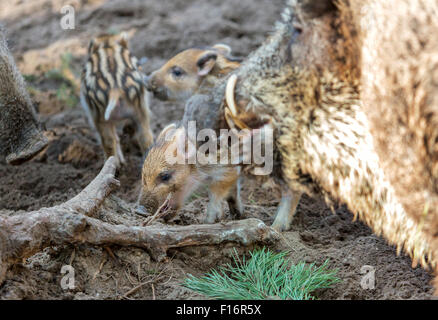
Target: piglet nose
147 204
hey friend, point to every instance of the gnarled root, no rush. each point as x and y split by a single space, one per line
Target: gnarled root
23 235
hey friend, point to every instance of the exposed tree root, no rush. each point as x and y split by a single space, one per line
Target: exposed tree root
25 234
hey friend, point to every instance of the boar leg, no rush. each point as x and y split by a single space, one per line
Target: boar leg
20 133
286 209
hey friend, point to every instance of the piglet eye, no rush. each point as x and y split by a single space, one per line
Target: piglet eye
177 72
165 176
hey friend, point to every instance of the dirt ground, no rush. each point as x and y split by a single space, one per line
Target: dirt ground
159 30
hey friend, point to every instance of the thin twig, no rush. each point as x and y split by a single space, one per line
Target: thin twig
129 278
117 284
72 257
135 289
154 279
110 252
153 291
104 259
170 278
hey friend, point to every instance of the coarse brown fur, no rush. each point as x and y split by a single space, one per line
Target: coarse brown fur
399 80
21 137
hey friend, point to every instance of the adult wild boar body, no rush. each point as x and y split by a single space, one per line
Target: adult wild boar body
20 133
351 90
399 78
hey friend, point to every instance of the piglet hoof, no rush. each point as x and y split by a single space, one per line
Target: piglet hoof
238 214
236 210
210 219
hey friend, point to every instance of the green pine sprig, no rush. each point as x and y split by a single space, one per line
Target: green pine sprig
265 275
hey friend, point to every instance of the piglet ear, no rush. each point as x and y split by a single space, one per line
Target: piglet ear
223 49
206 63
167 130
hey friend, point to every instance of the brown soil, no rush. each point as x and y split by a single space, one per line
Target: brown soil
73 158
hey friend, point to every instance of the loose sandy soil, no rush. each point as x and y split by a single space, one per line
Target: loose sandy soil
159 30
